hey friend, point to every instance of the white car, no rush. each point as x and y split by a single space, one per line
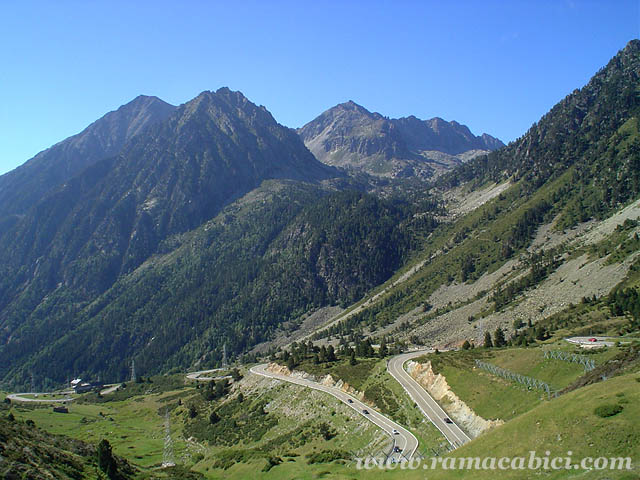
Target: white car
395 432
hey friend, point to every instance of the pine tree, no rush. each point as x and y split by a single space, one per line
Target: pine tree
106 462
498 338
291 364
214 418
541 333
331 354
487 340
382 351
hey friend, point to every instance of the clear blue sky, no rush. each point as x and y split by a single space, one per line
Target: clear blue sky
496 66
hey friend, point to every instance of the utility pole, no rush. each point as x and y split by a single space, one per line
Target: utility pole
224 355
168 459
133 370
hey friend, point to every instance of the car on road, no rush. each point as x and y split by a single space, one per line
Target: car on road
395 432
447 420
593 339
349 400
365 411
397 450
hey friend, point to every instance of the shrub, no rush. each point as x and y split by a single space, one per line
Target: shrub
272 462
608 410
214 418
327 456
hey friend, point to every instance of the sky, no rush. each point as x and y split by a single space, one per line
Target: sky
495 66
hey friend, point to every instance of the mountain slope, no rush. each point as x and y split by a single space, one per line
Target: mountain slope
278 252
515 257
212 227
23 187
594 129
106 221
169 180
348 135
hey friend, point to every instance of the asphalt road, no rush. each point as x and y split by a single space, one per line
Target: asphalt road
585 343
42 398
199 376
430 408
405 440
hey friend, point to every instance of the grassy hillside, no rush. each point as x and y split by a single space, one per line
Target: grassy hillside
492 397
370 377
258 421
566 424
27 451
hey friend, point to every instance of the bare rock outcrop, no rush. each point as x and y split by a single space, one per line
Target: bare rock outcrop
437 386
327 381
345 387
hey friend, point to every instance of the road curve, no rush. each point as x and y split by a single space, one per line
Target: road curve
591 342
405 440
430 408
198 376
18 397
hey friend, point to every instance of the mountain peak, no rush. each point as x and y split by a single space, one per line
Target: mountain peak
145 99
349 135
27 184
350 106
632 46
222 93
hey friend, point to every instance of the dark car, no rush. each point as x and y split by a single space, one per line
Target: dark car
447 420
365 411
397 449
349 400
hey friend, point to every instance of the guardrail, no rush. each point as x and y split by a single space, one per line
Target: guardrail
528 382
588 363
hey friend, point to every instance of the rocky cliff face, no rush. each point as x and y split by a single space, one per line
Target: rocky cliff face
327 381
350 136
439 389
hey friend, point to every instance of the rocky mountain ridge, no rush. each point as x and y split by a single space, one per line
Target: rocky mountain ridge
21 188
350 136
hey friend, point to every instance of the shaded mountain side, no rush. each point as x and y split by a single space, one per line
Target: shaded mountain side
169 179
350 136
178 174
23 187
280 251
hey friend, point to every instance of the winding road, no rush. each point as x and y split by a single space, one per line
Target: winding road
42 398
404 439
198 376
429 407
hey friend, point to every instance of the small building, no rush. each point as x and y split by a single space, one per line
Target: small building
84 387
